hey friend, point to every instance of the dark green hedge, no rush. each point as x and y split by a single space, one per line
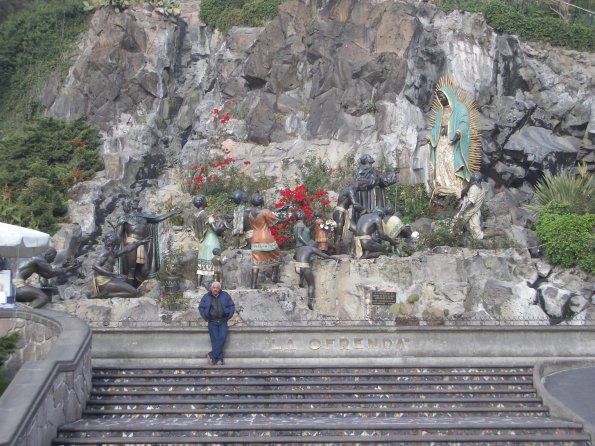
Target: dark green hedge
39 164
569 239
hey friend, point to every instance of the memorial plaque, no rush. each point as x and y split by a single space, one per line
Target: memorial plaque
384 297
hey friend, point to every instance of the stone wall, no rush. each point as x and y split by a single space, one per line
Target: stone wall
34 344
48 392
444 286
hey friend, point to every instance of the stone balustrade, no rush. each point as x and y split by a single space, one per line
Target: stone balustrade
53 382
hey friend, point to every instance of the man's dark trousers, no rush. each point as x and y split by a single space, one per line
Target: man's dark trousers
218 334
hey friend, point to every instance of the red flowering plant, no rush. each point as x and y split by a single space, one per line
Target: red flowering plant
223 175
217 178
298 199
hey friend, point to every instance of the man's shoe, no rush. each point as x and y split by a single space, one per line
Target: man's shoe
219 362
210 360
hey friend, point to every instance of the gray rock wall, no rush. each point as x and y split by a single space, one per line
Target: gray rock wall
326 79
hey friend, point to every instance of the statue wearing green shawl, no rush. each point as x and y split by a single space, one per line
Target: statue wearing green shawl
454 143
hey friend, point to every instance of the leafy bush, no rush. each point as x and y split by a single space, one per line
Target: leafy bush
224 15
443 234
172 301
168 7
569 239
530 20
8 345
39 165
223 176
412 201
315 174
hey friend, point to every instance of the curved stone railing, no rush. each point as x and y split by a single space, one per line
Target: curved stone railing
48 391
557 406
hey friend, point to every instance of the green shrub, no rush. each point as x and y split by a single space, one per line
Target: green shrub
569 239
412 201
39 165
442 234
531 21
225 14
8 345
169 7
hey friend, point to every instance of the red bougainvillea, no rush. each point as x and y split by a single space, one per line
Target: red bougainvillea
298 199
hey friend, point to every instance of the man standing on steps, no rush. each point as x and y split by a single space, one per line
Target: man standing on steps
216 307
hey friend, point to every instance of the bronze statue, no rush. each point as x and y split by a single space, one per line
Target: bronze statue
394 228
303 257
218 262
369 226
136 225
265 251
301 232
240 225
42 265
347 198
107 282
371 194
207 231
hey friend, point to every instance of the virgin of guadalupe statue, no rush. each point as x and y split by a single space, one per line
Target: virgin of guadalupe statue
455 145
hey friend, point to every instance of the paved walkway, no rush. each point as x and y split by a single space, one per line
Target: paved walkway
576 389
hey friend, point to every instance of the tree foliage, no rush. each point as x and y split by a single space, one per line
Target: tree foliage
39 165
35 42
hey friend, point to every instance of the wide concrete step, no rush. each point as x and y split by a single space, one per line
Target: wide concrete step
395 412
327 430
180 392
285 400
322 406
321 375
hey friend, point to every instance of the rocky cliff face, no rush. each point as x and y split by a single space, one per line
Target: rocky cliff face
327 78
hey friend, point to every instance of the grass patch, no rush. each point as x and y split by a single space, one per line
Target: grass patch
225 14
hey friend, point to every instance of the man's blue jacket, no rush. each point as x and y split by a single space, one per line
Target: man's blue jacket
205 305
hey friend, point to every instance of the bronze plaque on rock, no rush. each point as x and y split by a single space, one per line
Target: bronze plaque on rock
384 297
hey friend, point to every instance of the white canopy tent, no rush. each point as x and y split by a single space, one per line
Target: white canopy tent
16 241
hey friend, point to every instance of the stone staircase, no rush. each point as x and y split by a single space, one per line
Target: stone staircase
297 406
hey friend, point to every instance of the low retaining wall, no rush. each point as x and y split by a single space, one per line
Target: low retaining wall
37 336
47 392
347 345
